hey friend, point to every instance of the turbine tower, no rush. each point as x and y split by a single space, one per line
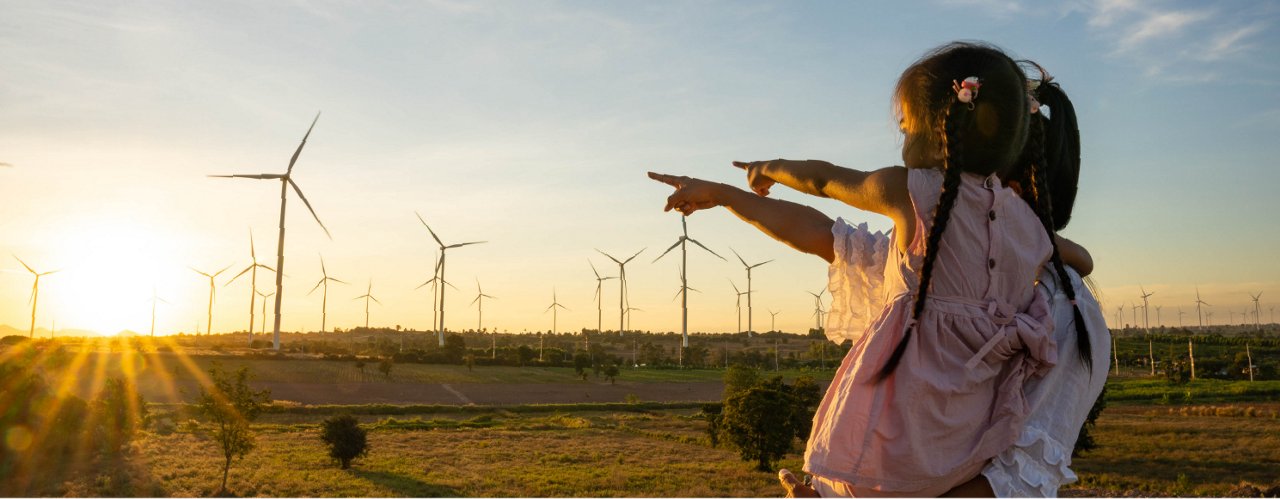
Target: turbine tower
368 295
35 292
748 267
738 303
1200 302
440 271
599 299
684 278
252 269
286 181
324 300
156 298
623 302
213 291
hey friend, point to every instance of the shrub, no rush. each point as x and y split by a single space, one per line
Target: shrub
384 366
345 438
230 406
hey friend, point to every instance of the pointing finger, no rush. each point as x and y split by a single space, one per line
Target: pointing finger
670 180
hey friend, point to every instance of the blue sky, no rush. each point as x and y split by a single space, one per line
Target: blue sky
531 124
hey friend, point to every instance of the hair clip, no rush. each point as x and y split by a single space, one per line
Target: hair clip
967 90
1033 87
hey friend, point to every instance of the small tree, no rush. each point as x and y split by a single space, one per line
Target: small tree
345 438
611 373
758 422
121 411
384 366
360 365
581 362
1084 442
230 406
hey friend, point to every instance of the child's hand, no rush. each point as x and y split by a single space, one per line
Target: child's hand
759 181
691 194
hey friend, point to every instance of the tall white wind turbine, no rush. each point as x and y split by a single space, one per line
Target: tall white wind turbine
440 271
818 311
213 292
1200 302
684 278
1257 311
749 291
286 181
1145 323
35 292
623 302
324 300
368 295
252 269
599 299
738 303
479 302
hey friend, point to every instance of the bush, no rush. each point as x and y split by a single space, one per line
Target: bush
230 407
384 366
762 417
345 438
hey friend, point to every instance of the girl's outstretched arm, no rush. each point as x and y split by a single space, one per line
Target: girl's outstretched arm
799 226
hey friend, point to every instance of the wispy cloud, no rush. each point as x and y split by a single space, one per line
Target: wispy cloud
1231 43
1159 26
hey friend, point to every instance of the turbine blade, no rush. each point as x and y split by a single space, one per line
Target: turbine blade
433 233
464 244
335 279
615 260
313 290
259 176
375 300
224 269
735 253
664 253
473 302
635 255
308 203
294 159
237 276
253 252
593 268
761 263
265 267
695 241
199 272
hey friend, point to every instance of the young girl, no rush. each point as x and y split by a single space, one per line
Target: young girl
933 390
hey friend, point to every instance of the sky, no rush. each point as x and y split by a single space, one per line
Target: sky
530 125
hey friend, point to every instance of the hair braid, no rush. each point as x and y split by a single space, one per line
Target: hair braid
952 120
1042 203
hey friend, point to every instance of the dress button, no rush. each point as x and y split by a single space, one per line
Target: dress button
991 263
991 214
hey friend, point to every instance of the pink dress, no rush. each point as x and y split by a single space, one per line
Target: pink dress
956 398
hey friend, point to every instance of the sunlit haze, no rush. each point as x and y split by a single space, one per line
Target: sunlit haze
530 125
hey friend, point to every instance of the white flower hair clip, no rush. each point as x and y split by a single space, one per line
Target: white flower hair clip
967 90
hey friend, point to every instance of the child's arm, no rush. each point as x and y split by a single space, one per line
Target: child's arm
882 191
1074 255
796 225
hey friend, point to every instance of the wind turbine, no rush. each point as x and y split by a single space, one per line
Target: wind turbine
684 278
554 309
748 267
1257 311
1145 323
286 181
738 302
324 300
599 297
368 295
252 269
479 302
818 311
35 292
1135 313
1119 316
629 310
1180 313
1159 323
156 298
264 308
440 271
1198 303
623 302
773 318
213 291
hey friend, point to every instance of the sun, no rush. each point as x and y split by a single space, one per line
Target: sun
109 273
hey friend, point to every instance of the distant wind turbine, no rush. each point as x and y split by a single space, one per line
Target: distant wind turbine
154 299
629 310
1180 313
1257 311
1159 323
599 299
368 295
440 271
252 269
1145 323
35 292
264 309
773 317
818 311
286 181
324 300
479 302
554 309
1200 302
749 291
213 292
684 279
1135 313
738 302
623 302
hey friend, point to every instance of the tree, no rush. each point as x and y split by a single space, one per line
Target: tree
345 438
739 377
384 366
581 361
1084 442
121 411
611 373
230 406
360 365
758 422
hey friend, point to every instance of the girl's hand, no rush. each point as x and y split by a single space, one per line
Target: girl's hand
759 181
691 194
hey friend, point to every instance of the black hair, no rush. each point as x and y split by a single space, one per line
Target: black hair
984 136
1049 176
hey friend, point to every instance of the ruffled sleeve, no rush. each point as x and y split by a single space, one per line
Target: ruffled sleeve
856 280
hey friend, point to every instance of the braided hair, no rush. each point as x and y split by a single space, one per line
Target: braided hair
982 137
1049 175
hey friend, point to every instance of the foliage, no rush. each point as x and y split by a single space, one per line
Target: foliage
345 438
121 410
384 366
231 405
739 377
762 417
1084 442
611 373
581 361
